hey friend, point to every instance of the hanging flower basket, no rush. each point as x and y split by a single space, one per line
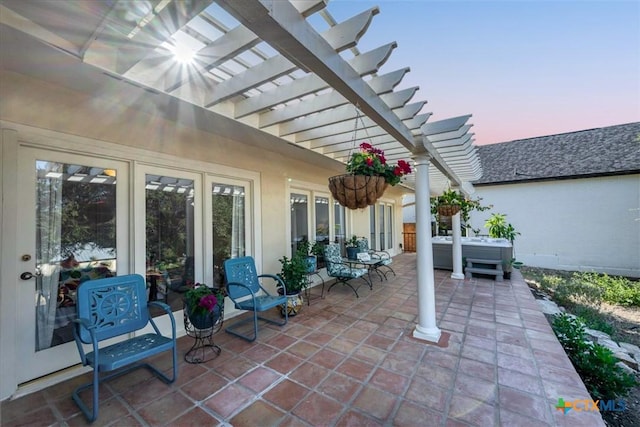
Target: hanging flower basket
357 191
448 210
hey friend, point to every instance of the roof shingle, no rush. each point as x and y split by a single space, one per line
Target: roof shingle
612 150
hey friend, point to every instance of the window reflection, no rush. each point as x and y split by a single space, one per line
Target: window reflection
75 241
299 220
169 238
228 218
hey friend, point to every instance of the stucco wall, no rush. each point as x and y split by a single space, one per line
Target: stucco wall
590 224
92 120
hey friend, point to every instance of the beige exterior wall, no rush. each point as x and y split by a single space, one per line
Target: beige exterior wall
38 113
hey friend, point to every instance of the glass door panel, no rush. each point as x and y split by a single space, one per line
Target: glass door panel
76 218
299 204
169 238
229 236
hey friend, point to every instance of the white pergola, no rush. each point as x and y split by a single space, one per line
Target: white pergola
284 67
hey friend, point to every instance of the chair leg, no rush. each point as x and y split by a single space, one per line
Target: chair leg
346 283
233 328
92 415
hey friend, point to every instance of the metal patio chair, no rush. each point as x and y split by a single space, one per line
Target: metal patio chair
117 307
246 292
343 271
384 258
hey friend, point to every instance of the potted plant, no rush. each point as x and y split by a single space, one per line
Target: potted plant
294 275
305 250
368 175
317 249
450 202
351 246
499 228
203 306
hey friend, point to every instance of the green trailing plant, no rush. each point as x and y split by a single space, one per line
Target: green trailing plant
454 197
595 364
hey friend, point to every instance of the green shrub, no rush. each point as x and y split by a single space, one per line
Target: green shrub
578 291
594 319
550 283
595 364
616 290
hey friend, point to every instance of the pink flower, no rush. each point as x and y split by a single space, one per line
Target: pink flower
369 161
208 302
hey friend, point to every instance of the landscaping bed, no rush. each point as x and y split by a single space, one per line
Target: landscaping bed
606 304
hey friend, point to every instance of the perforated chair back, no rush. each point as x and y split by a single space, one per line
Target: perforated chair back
114 306
241 270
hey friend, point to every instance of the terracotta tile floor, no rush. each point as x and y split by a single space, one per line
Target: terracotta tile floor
348 361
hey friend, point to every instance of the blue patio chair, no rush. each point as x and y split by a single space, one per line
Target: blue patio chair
246 292
114 307
383 257
343 271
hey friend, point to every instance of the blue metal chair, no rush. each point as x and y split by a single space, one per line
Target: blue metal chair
383 257
113 307
343 272
246 292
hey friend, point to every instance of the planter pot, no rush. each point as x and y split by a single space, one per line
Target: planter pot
357 191
517 264
352 252
294 305
448 210
203 320
312 264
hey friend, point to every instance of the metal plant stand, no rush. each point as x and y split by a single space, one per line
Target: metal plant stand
203 349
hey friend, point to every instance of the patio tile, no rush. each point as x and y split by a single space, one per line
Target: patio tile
318 410
353 361
389 381
259 379
477 388
472 411
524 404
375 402
340 387
229 399
286 394
258 413
327 358
194 417
355 368
357 419
520 381
165 409
204 386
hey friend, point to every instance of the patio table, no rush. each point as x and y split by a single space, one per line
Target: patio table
371 264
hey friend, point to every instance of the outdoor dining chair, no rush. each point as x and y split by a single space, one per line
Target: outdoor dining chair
384 258
343 271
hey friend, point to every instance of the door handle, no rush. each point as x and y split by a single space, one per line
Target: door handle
27 275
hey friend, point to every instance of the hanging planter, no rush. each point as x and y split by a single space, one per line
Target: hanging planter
357 191
448 210
368 178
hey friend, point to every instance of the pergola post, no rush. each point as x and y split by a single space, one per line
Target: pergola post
456 247
426 329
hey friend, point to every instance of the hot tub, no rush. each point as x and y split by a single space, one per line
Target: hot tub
472 247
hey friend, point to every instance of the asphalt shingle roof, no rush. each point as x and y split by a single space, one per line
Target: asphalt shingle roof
612 150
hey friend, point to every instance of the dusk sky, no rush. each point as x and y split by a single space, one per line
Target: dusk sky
521 68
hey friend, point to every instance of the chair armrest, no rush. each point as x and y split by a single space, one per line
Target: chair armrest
279 282
81 322
167 309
